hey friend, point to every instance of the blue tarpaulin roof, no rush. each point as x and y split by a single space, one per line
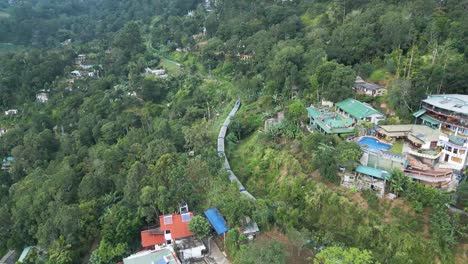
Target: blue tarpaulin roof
217 221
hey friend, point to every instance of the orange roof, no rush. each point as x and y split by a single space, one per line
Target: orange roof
148 239
178 227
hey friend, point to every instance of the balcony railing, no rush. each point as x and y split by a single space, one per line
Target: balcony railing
438 112
434 174
447 122
426 156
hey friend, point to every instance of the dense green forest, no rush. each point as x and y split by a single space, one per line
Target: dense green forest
104 157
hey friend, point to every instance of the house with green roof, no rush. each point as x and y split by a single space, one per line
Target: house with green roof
327 121
370 178
359 111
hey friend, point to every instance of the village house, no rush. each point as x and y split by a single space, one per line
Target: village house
449 114
172 227
190 249
174 230
11 112
76 74
274 121
359 111
419 158
249 228
419 136
66 42
367 88
3 131
327 121
80 59
7 162
160 73
42 96
367 178
342 117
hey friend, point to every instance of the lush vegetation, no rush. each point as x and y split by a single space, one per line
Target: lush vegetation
103 158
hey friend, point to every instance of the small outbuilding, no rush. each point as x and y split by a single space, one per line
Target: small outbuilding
11 112
367 88
217 221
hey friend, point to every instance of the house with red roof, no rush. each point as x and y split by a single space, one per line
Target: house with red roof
172 227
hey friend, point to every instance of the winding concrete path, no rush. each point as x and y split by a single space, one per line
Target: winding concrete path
221 151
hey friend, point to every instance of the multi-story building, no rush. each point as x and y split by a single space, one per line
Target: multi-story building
449 114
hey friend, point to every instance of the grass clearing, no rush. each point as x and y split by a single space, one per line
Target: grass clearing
397 148
171 66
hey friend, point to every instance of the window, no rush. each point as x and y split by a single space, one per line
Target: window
168 219
457 160
186 217
455 151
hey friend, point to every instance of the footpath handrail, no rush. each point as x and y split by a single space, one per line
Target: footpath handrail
221 150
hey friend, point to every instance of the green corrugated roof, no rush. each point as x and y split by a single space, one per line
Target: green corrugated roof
24 254
356 109
328 130
313 112
330 122
376 173
430 120
419 113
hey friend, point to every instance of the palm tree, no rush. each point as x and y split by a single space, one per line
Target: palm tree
60 253
398 181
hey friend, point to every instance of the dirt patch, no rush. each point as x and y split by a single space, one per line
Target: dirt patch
293 256
358 200
94 246
461 254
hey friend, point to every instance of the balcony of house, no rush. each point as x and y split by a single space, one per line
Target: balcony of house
445 113
452 131
447 121
425 154
431 176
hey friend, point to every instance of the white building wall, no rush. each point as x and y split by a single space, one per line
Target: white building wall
451 151
194 253
376 118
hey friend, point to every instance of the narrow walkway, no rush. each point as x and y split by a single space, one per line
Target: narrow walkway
221 153
216 256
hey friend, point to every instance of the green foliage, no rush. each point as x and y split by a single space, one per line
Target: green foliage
337 254
109 253
261 253
296 112
462 195
325 161
96 162
200 226
335 81
299 238
398 181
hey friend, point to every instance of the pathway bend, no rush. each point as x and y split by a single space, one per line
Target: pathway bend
221 150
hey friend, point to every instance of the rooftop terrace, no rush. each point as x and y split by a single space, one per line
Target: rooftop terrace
452 102
331 122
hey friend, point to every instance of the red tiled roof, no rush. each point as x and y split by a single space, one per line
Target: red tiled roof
148 240
178 228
